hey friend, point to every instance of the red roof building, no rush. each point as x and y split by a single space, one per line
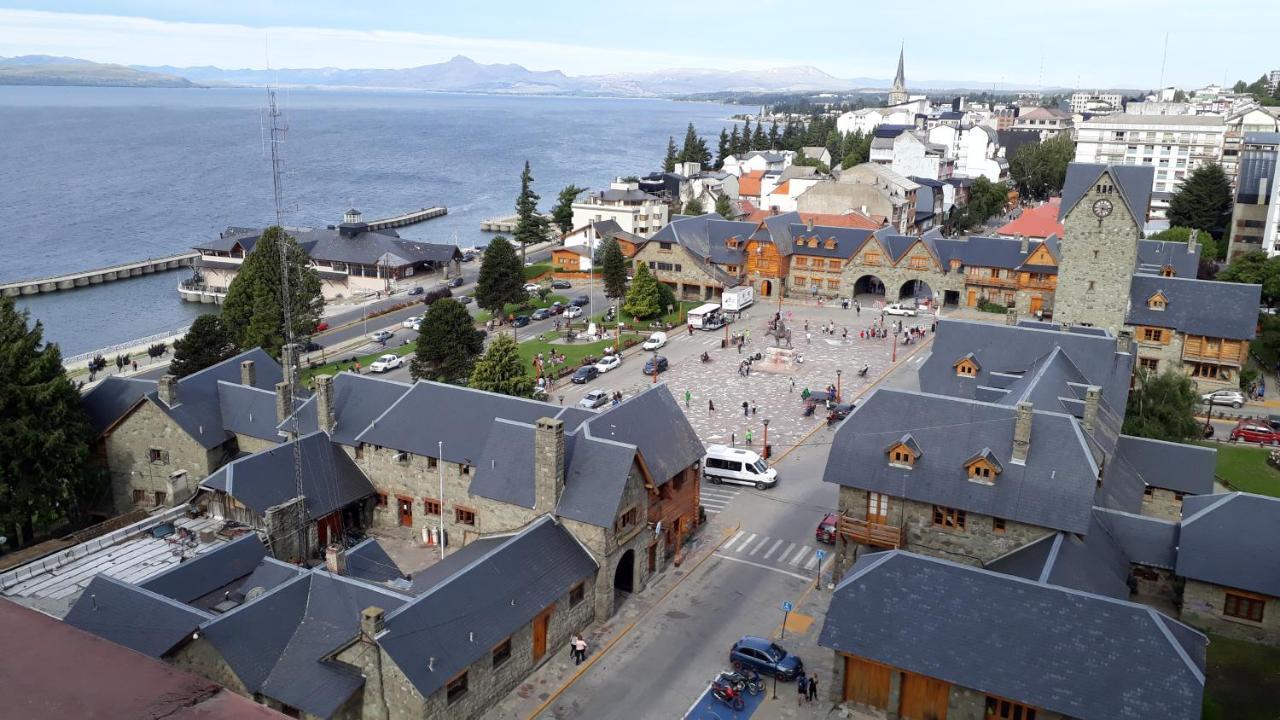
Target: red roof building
1036 223
850 220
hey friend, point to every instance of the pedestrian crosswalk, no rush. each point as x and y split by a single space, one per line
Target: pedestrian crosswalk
773 553
715 498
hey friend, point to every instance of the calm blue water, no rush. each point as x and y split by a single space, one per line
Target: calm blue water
95 176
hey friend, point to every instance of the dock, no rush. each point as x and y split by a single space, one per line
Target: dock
409 218
84 278
503 224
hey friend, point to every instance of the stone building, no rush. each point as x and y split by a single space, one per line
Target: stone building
698 257
868 188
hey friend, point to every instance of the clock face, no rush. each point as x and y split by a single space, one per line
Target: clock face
1102 208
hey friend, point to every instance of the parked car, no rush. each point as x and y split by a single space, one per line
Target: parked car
312 346
520 321
468 256
561 284
608 362
765 657
841 411
540 314
382 336
594 399
655 364
580 301
412 321
416 290
556 308
321 326
585 374
827 528
464 299
456 282
573 311
386 362
900 309
1234 398
531 287
655 341
1255 432
737 466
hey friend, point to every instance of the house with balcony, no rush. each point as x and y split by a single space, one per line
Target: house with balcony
635 211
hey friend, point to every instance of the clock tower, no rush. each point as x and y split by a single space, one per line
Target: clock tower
1099 250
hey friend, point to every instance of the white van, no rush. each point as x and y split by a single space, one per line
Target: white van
735 465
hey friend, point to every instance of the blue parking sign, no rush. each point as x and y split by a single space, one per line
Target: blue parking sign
821 554
787 606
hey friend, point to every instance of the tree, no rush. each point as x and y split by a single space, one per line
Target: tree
613 269
735 143
1163 407
448 344
207 343
530 226
856 149
694 149
501 370
758 139
774 138
1240 86
643 299
669 162
1255 268
45 473
693 207
1179 95
1039 170
562 214
724 207
1209 247
744 144
1203 202
985 200
501 279
722 148
253 311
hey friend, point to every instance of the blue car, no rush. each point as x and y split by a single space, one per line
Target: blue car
765 657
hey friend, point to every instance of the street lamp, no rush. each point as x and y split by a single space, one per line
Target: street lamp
839 372
766 439
1208 428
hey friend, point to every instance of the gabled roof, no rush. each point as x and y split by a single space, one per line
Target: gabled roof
200 406
1037 222
1145 540
210 571
849 240
1172 466
331 480
114 610
504 586
706 237
653 422
1155 255
986 455
369 561
112 398
248 410
1230 539
908 442
358 400
1134 183
749 183
1093 562
1196 306
1094 657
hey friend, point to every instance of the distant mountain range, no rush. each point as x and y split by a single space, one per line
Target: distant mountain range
459 74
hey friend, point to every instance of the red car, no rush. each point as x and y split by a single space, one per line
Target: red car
1255 433
826 532
322 326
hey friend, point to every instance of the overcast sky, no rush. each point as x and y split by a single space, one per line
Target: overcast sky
1116 43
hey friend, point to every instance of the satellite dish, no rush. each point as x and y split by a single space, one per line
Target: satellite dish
257 592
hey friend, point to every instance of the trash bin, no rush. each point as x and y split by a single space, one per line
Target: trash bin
723 343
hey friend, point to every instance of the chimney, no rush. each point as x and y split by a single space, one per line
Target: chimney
1122 342
548 467
335 559
1192 239
1011 316
248 374
1023 244
1022 433
773 210
372 621
283 406
286 360
325 415
168 388
1091 395
809 224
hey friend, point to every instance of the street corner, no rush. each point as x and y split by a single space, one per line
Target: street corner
708 707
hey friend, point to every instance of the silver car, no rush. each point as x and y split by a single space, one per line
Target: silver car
595 399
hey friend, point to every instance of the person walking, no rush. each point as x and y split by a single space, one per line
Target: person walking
749 437
813 687
753 408
745 407
793 386
711 407
687 397
582 649
802 688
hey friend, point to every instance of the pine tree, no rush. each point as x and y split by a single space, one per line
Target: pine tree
530 226
695 148
832 143
735 143
669 162
448 344
722 148
207 343
562 214
744 143
501 370
613 268
724 208
694 207
758 139
643 299
774 138
501 278
790 136
253 312
45 473
1203 202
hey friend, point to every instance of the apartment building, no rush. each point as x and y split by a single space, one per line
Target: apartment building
1255 217
625 203
1095 102
1251 119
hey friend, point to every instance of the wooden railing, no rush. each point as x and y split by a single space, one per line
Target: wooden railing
870 533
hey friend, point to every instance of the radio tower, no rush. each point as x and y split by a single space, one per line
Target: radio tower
278 130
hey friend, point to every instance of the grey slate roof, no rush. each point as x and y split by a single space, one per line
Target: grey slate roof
134 617
492 597
111 398
358 400
453 563
848 240
209 571
653 422
1133 181
199 410
1053 489
596 472
248 411
331 480
705 236
1196 307
1173 466
1154 255
372 248
1092 657
1093 562
1145 540
504 468
270 573
368 560
1230 539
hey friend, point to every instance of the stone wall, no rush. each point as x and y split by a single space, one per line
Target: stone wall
1156 583
1202 605
388 694
1096 262
689 276
966 704
127 449
895 276
1163 504
202 658
251 444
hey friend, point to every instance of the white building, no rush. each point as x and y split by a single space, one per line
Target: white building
1174 145
1046 121
635 211
758 160
1251 119
975 151
1095 102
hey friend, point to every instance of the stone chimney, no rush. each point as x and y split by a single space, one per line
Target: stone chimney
1193 239
335 559
1011 316
1023 245
1022 433
283 407
372 621
548 467
167 386
326 416
1091 396
248 373
809 224
1122 341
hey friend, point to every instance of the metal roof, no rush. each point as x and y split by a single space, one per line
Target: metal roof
133 617
209 571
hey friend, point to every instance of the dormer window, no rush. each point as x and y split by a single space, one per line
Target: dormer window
983 467
1157 302
904 452
813 242
731 242
830 244
967 366
1166 271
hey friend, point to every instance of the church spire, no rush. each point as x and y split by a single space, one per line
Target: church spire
898 94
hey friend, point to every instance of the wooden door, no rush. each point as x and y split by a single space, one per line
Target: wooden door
973 298
878 508
866 682
1037 302
540 624
405 507
923 698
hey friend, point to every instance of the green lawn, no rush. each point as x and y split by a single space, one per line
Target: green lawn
573 352
675 317
1242 680
333 368
535 270
1245 468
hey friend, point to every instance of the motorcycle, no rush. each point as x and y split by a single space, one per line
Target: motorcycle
746 680
726 694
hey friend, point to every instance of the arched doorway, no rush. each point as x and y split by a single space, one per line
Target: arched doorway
917 289
766 288
624 575
869 285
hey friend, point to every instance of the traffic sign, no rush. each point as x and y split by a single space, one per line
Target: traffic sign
787 606
821 554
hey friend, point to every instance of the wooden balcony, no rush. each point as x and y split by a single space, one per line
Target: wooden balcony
870 533
991 281
1038 284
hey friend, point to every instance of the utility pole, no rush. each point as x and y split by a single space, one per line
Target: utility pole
440 465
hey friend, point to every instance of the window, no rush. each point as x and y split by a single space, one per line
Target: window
919 263
464 516
800 280
1009 710
402 458
156 456
1245 606
627 519
380 500
139 496
966 368
664 246
802 261
833 284
901 456
1154 335
1157 302
997 525
360 451
1166 271
980 471
160 496
465 469
576 595
871 259
1151 365
950 518
1204 370
431 463
830 244
502 652
456 688
1149 491
1178 496
430 506
834 264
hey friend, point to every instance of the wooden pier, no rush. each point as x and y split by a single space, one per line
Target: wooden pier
84 278
503 224
409 218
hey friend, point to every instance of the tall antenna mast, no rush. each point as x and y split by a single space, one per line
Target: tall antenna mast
1164 58
278 130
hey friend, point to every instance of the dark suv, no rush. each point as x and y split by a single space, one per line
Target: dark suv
765 657
561 284
585 374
